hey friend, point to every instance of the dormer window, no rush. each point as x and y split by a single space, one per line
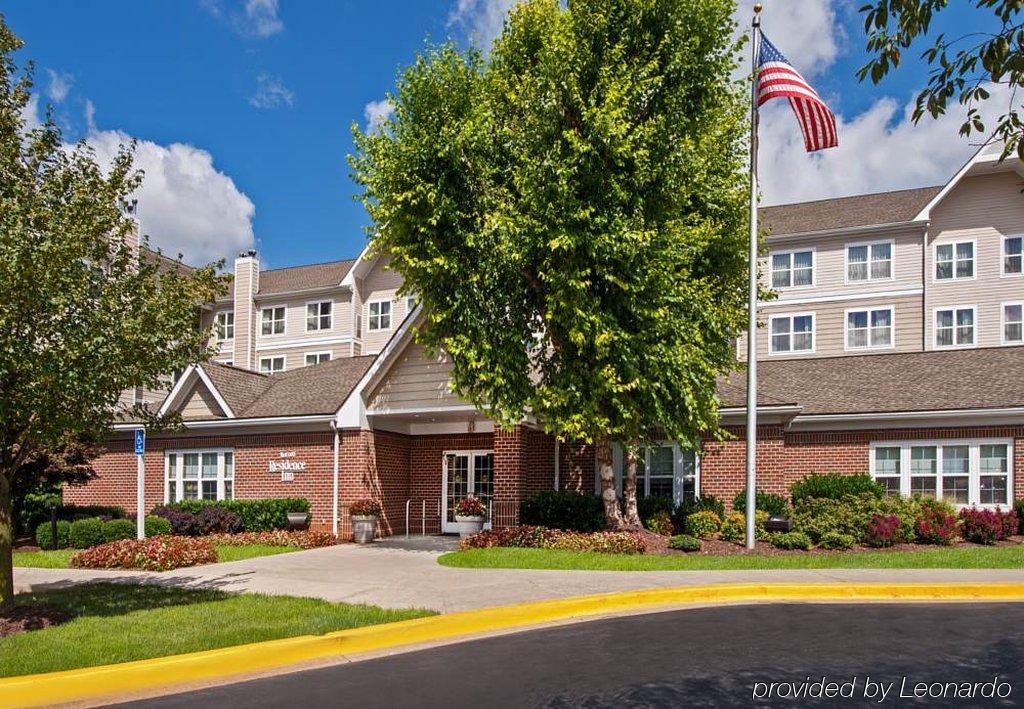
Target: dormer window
792 269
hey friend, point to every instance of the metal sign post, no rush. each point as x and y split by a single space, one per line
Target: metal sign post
140 483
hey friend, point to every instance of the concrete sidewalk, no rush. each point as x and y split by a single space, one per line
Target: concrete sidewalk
393 577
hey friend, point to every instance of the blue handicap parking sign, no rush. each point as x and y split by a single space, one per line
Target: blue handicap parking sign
140 441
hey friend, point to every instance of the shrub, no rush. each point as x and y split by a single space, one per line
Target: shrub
1018 507
44 535
363 508
155 526
105 512
35 509
837 540
684 542
734 528
183 524
524 536
118 529
650 507
1011 523
156 554
217 520
884 531
936 523
470 507
983 526
564 509
86 533
818 516
773 504
303 539
833 486
905 508
256 515
704 524
791 540
661 523
531 537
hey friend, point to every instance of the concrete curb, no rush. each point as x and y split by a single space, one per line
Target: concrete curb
210 665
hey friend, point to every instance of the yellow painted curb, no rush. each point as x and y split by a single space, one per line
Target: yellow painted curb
143 675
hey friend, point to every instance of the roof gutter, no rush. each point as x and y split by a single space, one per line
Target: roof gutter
849 230
241 422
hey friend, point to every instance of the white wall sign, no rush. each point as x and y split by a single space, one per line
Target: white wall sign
287 465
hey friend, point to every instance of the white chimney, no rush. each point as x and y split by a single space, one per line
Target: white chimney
247 285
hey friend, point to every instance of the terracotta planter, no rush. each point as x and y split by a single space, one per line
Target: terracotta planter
468 526
364 528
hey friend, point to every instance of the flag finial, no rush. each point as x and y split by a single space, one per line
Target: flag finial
757 8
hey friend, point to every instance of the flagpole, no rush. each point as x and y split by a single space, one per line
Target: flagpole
755 36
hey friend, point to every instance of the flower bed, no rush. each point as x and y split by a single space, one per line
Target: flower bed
156 554
276 538
529 537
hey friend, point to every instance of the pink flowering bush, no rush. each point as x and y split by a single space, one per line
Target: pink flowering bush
529 537
883 531
987 526
935 525
277 538
155 554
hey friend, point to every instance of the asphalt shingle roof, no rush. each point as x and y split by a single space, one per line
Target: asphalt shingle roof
859 210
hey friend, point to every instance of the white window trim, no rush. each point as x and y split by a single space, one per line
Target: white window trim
216 317
954 278
318 353
791 253
180 472
869 244
330 326
273 357
868 309
935 327
619 469
1002 322
814 333
974 474
284 321
391 315
1002 257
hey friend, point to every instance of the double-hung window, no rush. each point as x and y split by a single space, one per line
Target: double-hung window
1013 255
1013 323
317 357
224 325
199 475
318 316
792 269
955 261
272 365
869 262
869 328
955 327
662 470
273 320
791 333
972 472
379 315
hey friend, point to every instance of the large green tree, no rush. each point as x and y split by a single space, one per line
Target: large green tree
571 210
963 67
82 317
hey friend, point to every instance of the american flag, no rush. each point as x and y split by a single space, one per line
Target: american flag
778 79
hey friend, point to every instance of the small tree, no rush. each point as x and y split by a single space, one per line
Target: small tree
82 317
571 211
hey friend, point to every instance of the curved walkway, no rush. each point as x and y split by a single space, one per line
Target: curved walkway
394 577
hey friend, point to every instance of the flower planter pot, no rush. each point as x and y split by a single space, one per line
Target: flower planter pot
298 520
468 526
364 528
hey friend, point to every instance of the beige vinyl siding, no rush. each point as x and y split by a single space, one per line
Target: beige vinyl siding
295 318
200 405
830 327
982 209
415 381
381 283
295 356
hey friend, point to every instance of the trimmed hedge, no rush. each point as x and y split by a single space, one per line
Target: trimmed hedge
157 526
563 509
256 515
44 535
117 529
791 540
86 533
833 486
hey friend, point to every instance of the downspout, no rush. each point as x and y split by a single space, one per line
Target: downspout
924 288
334 513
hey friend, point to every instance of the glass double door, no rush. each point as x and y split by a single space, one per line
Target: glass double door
465 473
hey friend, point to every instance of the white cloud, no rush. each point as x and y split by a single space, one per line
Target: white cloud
255 18
805 31
376 113
59 86
482 20
30 114
271 93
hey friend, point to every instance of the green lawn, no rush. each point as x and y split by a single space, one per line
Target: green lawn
121 622
934 558
60 558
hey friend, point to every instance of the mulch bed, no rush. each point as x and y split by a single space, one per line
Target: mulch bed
20 619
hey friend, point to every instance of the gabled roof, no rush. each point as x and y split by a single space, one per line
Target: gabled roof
847 212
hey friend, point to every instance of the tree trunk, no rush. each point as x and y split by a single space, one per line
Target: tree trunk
631 516
603 453
6 543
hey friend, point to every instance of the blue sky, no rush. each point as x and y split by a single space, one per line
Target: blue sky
242 108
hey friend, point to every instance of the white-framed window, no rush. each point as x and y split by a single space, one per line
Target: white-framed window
378 315
663 469
317 357
870 328
272 365
410 303
226 362
791 333
961 472
272 320
1013 323
954 261
1013 255
871 261
224 325
792 269
199 475
318 316
955 327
